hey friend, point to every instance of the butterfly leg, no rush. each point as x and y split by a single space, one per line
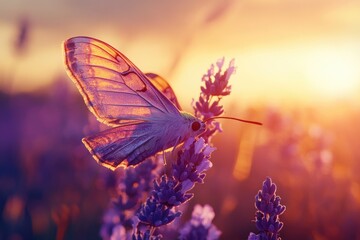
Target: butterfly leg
166 169
164 157
175 145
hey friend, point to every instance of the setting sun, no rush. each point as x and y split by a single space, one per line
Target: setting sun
332 72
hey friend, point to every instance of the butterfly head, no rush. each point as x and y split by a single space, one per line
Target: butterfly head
195 125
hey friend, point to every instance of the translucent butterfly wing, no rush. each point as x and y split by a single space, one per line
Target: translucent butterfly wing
122 146
113 88
163 86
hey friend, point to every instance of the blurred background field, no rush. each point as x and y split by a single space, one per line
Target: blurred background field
298 73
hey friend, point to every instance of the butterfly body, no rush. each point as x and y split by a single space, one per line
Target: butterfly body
138 108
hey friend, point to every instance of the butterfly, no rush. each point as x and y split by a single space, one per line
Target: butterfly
141 109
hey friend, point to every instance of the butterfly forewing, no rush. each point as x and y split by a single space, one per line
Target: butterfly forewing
163 86
114 89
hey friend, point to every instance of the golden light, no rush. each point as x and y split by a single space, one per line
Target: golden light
244 157
332 72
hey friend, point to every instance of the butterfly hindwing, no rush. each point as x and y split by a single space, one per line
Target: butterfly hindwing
163 86
122 146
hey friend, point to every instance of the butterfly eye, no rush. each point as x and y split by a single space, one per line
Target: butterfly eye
195 126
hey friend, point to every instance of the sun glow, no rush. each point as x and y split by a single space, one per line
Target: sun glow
333 73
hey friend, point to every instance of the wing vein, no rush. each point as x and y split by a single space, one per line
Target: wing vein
102 67
126 105
97 46
105 79
113 91
146 140
95 55
135 140
99 66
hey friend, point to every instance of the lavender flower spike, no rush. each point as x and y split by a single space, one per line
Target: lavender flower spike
269 209
217 84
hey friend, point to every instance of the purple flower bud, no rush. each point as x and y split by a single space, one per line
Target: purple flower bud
169 192
220 62
156 214
144 236
204 165
253 236
199 145
187 185
267 217
118 233
200 226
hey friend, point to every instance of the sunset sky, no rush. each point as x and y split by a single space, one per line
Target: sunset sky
286 51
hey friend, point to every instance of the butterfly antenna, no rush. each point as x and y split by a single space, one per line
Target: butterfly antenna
236 119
